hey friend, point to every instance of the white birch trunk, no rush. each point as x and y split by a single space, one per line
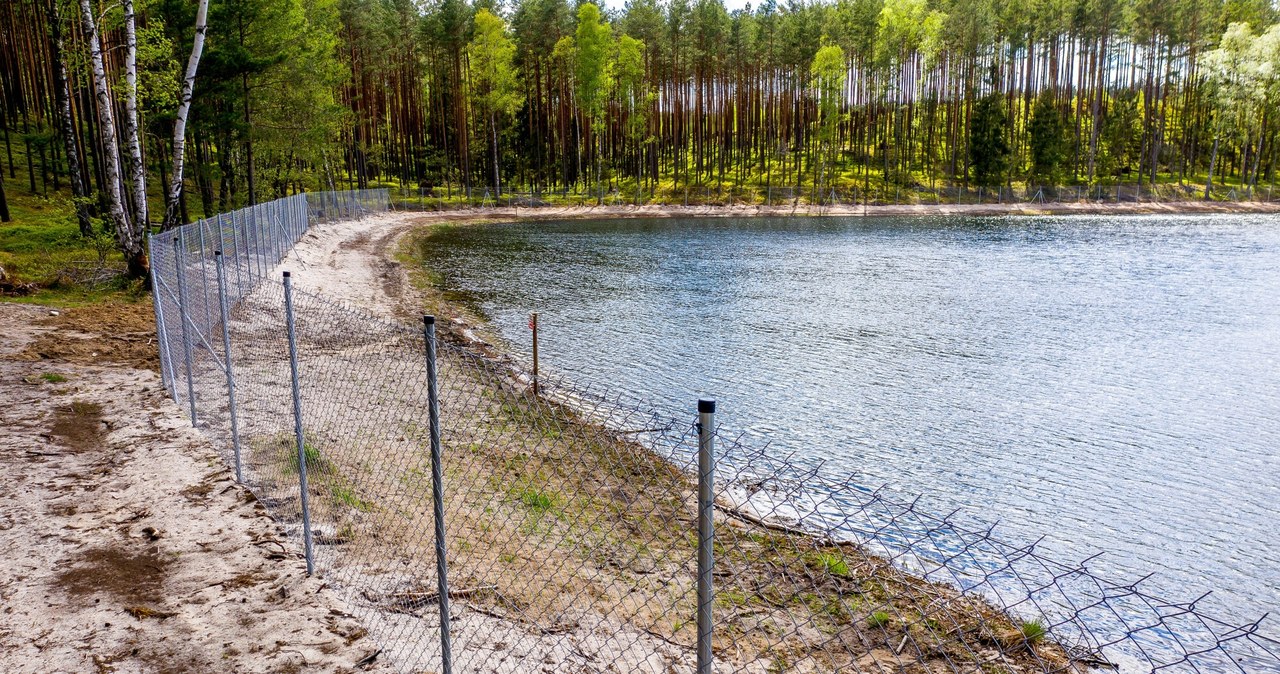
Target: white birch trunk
171 212
137 168
126 236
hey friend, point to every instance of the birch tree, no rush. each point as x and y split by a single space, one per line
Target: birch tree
172 214
128 237
137 169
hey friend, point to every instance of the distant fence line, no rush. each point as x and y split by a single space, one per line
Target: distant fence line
477 525
444 199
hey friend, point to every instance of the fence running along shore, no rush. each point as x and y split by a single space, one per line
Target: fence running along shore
811 198
570 529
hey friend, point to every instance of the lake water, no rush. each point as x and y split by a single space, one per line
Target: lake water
1110 382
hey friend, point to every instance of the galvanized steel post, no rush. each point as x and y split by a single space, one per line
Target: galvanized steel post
297 424
162 334
437 492
204 277
706 529
231 374
183 320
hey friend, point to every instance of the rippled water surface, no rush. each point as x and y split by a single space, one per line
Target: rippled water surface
1112 382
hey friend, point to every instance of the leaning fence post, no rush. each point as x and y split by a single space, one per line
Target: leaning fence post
437 492
231 375
184 319
297 424
706 529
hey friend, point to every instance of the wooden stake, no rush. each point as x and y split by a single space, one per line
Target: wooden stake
533 325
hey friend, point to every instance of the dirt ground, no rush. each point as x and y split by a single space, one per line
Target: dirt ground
128 547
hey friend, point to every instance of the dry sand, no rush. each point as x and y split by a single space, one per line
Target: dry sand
846 210
127 545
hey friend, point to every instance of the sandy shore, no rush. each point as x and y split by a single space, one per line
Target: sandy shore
128 545
1048 208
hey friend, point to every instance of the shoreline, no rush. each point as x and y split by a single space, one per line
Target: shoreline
875 210
407 288
875 604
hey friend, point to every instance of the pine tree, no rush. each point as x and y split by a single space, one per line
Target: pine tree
988 141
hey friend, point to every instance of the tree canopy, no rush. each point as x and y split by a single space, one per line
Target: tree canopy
653 100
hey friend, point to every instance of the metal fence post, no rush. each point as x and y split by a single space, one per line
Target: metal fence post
162 335
437 493
706 529
297 424
204 276
231 375
184 319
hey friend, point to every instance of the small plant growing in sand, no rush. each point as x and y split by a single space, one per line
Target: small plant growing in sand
878 619
833 563
536 500
316 462
346 495
53 377
1034 631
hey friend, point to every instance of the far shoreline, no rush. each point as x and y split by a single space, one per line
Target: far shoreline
540 213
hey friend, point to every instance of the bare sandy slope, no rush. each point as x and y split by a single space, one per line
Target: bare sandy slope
847 210
127 545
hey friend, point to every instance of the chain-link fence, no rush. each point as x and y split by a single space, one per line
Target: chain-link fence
563 529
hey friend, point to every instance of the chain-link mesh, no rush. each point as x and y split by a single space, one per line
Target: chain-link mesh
571 516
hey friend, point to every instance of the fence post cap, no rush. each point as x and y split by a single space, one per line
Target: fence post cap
429 320
286 274
217 253
706 406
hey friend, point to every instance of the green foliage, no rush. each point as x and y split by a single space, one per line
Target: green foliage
1034 631
989 149
535 500
53 378
491 56
878 619
1049 141
832 563
317 463
1120 136
903 27
593 45
346 495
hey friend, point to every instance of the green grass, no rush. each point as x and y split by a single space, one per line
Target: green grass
833 563
536 500
1034 631
53 378
878 619
42 252
345 494
316 461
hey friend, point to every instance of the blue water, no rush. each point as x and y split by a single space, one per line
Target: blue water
1112 382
